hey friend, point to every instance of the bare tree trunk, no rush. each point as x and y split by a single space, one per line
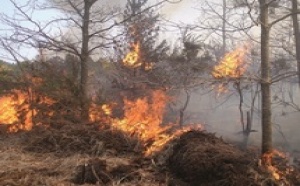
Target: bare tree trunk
224 28
84 57
181 111
265 84
296 35
240 92
247 131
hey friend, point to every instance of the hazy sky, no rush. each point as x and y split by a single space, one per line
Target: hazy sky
183 11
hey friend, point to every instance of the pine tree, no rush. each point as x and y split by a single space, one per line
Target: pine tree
142 29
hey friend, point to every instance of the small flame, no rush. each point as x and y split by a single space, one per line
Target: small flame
132 59
232 64
101 113
276 173
107 109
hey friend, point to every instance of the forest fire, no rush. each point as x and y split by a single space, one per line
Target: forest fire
143 118
101 113
132 59
16 111
8 112
271 166
232 64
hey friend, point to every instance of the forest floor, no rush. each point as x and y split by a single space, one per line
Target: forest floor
86 155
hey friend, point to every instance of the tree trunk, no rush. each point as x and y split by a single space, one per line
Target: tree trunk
84 57
296 35
265 84
181 111
224 28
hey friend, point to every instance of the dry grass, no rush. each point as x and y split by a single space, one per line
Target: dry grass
67 157
20 167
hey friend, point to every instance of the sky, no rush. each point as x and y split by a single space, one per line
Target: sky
8 9
182 12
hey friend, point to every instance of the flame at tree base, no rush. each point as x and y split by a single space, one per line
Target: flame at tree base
266 162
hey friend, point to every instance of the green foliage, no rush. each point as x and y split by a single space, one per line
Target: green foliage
8 80
142 27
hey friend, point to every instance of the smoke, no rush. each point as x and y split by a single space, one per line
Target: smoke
174 10
221 115
180 11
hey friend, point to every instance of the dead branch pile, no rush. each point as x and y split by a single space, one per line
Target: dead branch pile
84 139
87 155
125 172
200 158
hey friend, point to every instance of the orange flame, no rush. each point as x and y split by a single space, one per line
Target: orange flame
143 117
232 64
132 59
101 113
15 111
276 173
8 113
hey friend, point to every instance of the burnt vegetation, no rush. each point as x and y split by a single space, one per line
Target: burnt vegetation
109 104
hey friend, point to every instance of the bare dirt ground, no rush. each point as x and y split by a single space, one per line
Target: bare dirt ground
85 155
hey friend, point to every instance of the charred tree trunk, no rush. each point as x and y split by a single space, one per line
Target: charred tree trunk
240 92
265 84
247 131
84 57
181 112
296 35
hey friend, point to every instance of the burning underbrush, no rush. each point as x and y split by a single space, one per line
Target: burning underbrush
85 155
200 158
135 149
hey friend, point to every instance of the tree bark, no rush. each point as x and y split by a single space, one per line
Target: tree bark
84 57
224 28
265 83
181 111
296 35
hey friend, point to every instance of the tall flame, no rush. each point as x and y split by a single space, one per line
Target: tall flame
143 117
232 64
16 112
